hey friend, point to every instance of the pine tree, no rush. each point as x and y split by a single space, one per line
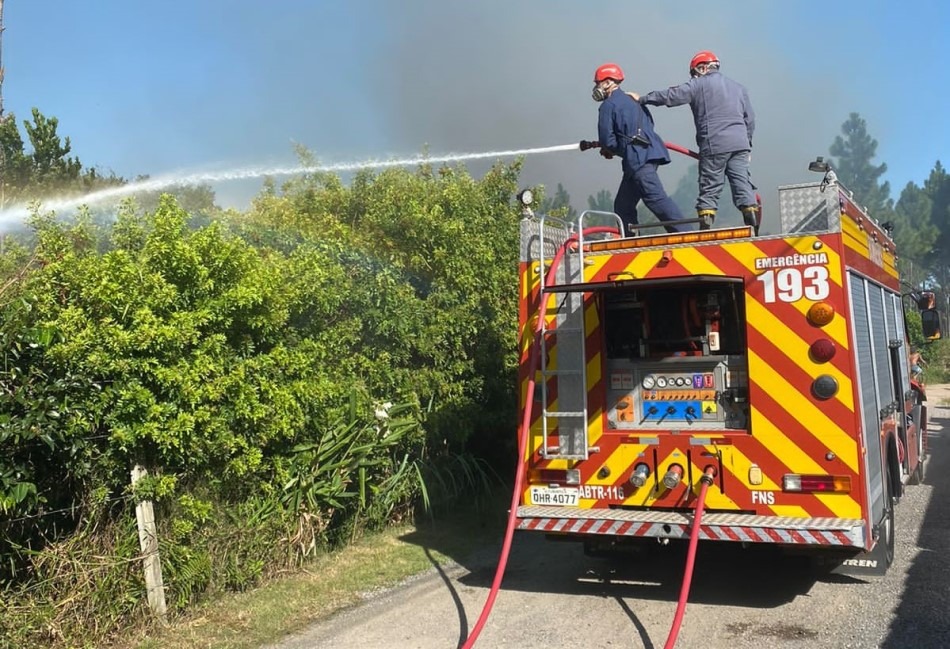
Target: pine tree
854 153
603 201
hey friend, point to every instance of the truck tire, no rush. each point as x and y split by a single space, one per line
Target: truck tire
887 523
917 477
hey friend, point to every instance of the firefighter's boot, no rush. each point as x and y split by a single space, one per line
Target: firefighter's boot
706 218
752 215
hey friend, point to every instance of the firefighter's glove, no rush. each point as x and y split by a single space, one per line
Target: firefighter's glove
606 153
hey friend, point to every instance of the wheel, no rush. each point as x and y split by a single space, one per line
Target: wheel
917 477
887 526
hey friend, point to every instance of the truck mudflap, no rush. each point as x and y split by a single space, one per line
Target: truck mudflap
841 533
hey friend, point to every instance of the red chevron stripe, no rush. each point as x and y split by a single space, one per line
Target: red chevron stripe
776 358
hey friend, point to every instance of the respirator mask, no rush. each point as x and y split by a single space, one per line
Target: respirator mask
599 93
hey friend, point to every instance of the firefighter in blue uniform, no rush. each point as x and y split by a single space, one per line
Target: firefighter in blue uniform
625 128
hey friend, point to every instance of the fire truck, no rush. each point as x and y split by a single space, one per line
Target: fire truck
775 365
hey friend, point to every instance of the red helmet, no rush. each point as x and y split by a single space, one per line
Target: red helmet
608 71
702 57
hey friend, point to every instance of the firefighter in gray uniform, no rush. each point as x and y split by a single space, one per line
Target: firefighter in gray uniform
725 123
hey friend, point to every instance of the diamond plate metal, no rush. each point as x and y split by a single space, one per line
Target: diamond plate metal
805 208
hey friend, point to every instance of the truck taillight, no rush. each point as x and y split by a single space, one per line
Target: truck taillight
554 476
816 483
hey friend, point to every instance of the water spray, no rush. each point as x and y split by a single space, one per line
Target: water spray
18 212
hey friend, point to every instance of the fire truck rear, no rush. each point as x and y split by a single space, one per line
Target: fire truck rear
777 364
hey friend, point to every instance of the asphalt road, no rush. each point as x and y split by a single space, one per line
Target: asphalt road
554 596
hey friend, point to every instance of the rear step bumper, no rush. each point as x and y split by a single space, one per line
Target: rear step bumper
749 528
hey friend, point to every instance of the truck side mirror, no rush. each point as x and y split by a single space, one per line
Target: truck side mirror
930 324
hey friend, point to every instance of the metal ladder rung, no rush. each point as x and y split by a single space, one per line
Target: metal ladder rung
565 413
564 330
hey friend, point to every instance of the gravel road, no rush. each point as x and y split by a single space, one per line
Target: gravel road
554 596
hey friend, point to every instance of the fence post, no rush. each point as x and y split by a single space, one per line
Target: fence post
148 541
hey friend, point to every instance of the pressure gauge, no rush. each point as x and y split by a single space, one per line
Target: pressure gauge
661 382
680 381
649 381
526 197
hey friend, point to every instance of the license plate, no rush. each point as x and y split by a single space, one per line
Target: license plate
559 496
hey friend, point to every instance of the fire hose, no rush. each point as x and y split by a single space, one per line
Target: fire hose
709 475
523 434
594 144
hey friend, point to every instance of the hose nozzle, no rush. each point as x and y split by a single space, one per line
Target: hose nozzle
589 144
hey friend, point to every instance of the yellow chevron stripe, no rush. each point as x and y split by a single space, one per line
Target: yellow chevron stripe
859 241
770 326
738 464
593 264
811 417
715 499
525 281
693 260
844 506
591 318
639 265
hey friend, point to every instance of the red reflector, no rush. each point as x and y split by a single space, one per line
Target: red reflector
822 350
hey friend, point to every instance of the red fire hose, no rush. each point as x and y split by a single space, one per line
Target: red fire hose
523 434
594 144
708 476
524 431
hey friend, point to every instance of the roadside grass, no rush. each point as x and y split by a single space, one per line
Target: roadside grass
330 583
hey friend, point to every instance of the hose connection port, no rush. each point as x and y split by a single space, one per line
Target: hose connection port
673 476
639 476
709 475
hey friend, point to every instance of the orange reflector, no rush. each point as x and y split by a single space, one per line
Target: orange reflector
820 314
817 483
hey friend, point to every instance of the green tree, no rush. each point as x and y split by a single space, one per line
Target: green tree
196 200
853 155
47 168
559 204
914 233
603 201
937 188
686 191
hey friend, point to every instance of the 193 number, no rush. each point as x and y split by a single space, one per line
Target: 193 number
792 284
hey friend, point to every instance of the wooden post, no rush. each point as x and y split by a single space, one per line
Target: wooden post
148 540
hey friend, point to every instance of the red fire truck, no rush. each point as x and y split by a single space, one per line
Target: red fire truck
776 364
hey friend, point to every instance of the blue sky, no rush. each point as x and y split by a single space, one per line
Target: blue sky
152 87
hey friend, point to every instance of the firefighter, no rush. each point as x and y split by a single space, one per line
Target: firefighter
626 129
725 123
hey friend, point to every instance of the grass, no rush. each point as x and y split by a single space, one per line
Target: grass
329 584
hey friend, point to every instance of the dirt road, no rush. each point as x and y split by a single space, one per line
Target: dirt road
554 596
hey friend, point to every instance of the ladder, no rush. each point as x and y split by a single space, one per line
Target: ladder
563 353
